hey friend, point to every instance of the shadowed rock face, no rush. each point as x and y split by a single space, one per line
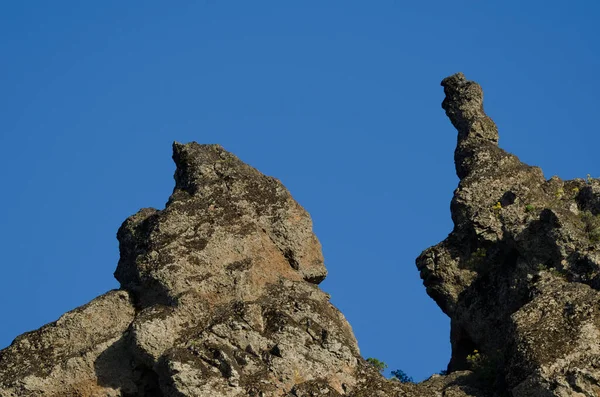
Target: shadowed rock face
519 274
226 233
219 290
219 297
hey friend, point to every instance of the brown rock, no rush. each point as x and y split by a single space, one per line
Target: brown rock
81 354
519 274
224 302
219 290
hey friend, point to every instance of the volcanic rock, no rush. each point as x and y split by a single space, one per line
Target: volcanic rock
519 274
219 297
219 290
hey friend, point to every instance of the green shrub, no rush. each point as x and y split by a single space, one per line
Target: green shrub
591 224
484 366
475 360
497 209
557 273
559 193
401 376
476 258
379 365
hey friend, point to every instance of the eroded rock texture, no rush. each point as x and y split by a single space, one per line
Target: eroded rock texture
219 290
219 297
519 274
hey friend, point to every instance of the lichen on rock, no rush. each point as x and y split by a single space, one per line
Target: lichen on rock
219 290
523 255
219 297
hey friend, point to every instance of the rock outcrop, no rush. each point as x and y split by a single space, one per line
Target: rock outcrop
219 290
219 297
519 274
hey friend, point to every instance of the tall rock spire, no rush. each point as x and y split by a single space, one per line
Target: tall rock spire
464 107
220 290
522 260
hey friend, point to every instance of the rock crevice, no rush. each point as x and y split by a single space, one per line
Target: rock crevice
219 290
519 243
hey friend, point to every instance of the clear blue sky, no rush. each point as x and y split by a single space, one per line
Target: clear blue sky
338 99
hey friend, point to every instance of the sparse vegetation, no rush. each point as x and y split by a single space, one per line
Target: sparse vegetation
591 224
474 359
476 258
484 366
559 193
555 272
379 365
529 208
402 376
552 270
497 209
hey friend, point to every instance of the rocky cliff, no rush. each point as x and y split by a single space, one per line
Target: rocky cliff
519 274
219 290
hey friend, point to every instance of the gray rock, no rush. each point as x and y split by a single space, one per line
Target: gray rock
518 275
219 290
219 297
83 353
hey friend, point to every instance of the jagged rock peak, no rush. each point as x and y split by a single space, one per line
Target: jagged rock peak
199 165
519 275
219 298
464 106
219 290
221 214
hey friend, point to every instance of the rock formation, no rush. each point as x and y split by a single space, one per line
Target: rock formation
219 290
519 274
219 297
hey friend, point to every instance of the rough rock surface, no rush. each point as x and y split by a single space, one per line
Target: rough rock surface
519 274
219 297
219 290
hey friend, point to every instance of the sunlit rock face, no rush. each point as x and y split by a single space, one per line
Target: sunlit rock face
225 282
220 290
519 274
219 297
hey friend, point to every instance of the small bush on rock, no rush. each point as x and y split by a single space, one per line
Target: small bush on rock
379 365
591 225
401 376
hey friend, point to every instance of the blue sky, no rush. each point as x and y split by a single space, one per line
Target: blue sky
340 100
